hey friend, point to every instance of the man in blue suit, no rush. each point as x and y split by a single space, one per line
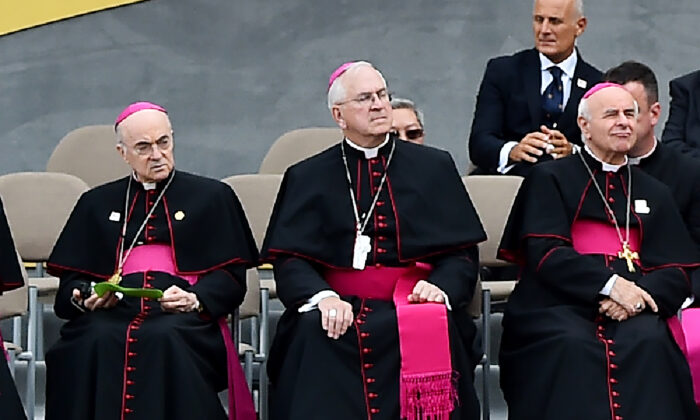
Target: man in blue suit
526 107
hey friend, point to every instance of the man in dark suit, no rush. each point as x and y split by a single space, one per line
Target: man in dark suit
526 107
682 129
679 172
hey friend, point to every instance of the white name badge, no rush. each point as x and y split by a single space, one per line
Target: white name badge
115 216
359 254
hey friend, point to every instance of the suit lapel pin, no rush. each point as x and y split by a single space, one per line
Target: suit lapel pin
581 83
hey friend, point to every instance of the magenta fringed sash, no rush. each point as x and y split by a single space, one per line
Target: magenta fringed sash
160 258
427 385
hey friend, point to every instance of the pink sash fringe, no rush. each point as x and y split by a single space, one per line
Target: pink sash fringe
160 258
428 385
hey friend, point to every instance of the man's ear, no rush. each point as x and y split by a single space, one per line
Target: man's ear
338 117
121 149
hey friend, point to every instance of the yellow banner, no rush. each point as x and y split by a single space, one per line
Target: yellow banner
16 15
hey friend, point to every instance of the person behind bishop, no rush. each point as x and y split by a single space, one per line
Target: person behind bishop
604 257
374 249
158 228
11 277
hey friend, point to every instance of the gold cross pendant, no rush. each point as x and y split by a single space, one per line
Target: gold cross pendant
116 278
629 255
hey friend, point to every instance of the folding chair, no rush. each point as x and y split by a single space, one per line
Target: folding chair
37 205
14 304
297 145
492 196
257 193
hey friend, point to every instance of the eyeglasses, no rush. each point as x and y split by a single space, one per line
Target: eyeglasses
366 98
144 148
412 134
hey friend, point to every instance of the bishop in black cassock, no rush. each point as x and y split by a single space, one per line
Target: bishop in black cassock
137 358
422 214
573 346
10 278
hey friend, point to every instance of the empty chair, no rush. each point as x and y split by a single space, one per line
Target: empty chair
257 193
90 154
493 196
37 205
297 145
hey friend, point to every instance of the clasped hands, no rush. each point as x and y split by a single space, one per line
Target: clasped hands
337 316
535 144
626 300
174 300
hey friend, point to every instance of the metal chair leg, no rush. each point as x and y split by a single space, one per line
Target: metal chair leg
248 368
31 350
486 360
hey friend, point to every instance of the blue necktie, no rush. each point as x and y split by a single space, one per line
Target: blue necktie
553 96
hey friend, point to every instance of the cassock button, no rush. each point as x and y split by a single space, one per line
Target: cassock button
382 225
611 199
129 382
368 366
616 405
366 350
371 380
380 203
613 380
376 173
381 238
130 368
364 335
372 395
613 366
381 250
128 410
618 417
374 410
612 353
378 265
129 397
615 394
611 186
381 217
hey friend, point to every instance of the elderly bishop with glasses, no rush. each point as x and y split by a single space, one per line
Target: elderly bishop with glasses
374 245
605 258
150 266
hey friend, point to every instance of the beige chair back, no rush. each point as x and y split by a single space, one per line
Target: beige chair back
251 302
257 193
493 196
90 154
297 145
37 205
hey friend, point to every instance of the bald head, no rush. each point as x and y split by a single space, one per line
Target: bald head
608 122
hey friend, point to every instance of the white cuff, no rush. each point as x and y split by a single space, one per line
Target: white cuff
447 301
605 291
504 157
312 303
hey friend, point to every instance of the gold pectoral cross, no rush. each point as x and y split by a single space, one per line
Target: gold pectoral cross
629 255
116 278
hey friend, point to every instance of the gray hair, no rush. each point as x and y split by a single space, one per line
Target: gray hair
578 7
402 103
336 93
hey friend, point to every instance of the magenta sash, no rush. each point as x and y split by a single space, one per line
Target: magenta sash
593 237
427 386
687 335
160 258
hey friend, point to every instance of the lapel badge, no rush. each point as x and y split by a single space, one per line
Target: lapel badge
179 215
581 83
115 216
641 207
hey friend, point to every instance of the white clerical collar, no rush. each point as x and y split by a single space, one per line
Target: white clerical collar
568 66
371 152
146 185
638 159
607 167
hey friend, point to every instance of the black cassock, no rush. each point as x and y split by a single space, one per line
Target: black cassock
559 358
422 214
10 278
135 361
